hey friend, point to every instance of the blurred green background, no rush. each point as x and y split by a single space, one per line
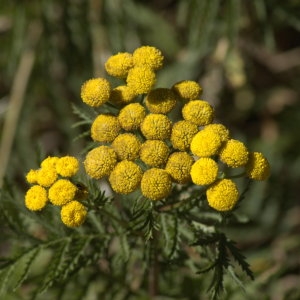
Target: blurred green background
245 55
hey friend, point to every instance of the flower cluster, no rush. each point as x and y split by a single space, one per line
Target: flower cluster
143 147
52 183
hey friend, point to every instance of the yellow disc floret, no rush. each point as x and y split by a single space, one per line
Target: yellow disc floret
73 214
131 116
127 146
32 176
122 94
148 56
67 166
46 176
179 166
50 161
100 161
220 129
95 92
222 195
234 154
198 112
156 127
187 89
105 128
156 184
154 153
119 64
204 171
125 177
36 198
258 167
62 192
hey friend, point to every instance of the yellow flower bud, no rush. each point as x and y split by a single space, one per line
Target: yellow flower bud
258 167
204 171
220 129
73 214
32 176
127 146
122 95
50 161
119 64
148 56
187 89
131 116
62 192
46 176
36 198
67 166
154 153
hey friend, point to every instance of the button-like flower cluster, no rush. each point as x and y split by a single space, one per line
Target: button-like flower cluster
144 146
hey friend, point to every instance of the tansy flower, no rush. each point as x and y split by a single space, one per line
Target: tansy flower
67 166
100 161
187 89
36 198
156 184
234 154
127 146
46 176
204 171
182 134
131 116
154 153
95 92
140 79
222 195
160 100
156 127
73 214
205 143
62 192
220 129
125 177
50 161
148 56
179 166
258 167
198 112
119 64
105 128
31 176
122 94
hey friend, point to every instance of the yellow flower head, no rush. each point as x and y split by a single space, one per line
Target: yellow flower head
46 176
62 192
205 143
122 94
100 161
156 184
222 195
182 134
179 166
141 79
36 198
50 161
154 153
234 154
73 214
156 127
127 146
119 64
187 89
204 171
160 100
220 129
67 166
105 128
32 176
131 116
125 177
95 92
148 56
198 112
258 167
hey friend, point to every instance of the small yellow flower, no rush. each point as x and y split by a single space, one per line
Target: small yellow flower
220 129
234 154
127 146
119 64
50 161
141 79
95 92
62 192
179 166
182 134
100 161
205 143
32 176
156 184
198 112
122 94
160 100
36 198
131 116
148 56
46 176
125 177
222 195
154 153
105 128
258 167
204 171
187 89
73 214
156 127
67 166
